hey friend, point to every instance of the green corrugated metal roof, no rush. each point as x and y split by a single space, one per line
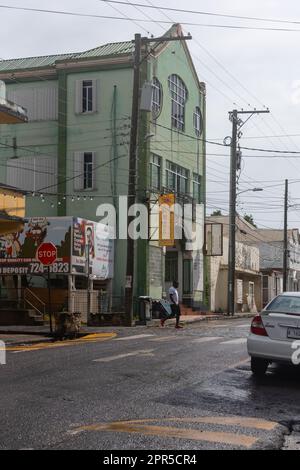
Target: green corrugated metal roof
118 48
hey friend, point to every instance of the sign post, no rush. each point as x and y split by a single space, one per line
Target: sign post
47 255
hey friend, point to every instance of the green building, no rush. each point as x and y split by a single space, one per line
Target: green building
73 154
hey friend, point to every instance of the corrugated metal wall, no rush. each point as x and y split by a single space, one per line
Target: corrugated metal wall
41 103
33 173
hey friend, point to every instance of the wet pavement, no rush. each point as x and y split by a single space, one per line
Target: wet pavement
149 388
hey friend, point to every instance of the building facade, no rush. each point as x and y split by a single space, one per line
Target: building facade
247 268
271 247
74 153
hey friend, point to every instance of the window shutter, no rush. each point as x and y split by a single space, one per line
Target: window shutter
95 95
78 97
78 171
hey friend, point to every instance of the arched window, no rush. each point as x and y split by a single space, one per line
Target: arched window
198 122
179 96
157 98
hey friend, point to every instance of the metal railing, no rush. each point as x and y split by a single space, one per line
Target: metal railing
31 300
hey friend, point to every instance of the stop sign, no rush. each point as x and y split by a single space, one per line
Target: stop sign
47 254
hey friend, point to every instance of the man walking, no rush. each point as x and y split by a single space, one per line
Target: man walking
174 300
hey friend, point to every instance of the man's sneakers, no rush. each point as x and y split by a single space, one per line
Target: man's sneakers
162 323
178 327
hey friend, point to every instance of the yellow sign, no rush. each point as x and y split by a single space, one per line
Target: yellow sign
167 220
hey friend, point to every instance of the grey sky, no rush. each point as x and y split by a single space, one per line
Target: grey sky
264 62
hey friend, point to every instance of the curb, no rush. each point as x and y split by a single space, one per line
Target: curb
206 319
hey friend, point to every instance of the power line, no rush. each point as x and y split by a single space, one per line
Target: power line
107 17
205 13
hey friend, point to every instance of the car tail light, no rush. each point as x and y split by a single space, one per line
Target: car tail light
257 327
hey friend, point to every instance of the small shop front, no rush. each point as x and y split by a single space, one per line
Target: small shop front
82 271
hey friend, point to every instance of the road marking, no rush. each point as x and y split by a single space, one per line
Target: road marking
243 326
207 339
236 341
131 427
93 338
240 421
167 338
128 338
142 353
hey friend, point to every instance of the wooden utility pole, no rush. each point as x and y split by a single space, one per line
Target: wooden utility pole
139 42
285 247
237 125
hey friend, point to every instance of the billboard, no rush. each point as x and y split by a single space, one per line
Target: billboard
79 242
18 251
93 247
166 220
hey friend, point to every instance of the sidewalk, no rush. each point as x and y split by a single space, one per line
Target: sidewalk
19 335
188 319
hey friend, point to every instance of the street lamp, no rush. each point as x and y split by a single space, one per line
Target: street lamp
254 190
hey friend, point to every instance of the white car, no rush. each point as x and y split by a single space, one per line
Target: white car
275 334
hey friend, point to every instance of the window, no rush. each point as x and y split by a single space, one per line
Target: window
155 172
157 98
197 188
198 123
171 266
177 178
84 171
88 171
86 96
179 96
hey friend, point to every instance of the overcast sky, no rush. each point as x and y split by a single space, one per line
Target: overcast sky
265 63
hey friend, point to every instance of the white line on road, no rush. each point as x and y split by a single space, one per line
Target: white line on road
167 338
206 339
141 353
243 326
128 338
236 341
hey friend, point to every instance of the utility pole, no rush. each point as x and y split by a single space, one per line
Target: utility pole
285 247
237 125
232 216
139 42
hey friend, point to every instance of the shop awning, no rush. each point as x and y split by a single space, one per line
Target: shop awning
10 224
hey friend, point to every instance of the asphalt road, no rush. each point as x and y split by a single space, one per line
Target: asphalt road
146 388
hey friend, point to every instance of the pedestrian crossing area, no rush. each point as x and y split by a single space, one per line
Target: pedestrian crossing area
239 432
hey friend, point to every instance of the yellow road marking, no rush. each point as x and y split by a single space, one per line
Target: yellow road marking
252 423
240 440
93 338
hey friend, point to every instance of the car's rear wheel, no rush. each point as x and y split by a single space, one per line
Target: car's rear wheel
259 366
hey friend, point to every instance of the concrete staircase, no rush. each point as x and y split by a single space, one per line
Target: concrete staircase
12 314
189 311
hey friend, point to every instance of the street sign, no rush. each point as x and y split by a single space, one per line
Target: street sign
47 254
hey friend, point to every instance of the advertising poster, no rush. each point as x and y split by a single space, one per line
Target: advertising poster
18 251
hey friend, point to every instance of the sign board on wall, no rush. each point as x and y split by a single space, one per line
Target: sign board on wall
19 251
167 220
92 240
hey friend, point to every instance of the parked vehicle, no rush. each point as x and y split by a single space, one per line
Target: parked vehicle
275 334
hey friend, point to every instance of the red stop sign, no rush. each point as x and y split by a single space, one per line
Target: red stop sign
47 254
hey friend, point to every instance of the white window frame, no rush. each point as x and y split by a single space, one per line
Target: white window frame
155 164
157 98
197 183
178 174
198 121
79 96
80 171
179 96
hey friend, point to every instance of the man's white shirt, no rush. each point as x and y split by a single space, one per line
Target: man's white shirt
174 292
